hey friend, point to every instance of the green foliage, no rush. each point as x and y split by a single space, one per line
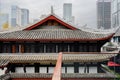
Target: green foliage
111 71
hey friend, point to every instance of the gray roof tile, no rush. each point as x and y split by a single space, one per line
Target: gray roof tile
71 75
52 35
80 57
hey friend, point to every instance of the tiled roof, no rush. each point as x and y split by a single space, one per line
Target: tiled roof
52 57
4 63
51 17
5 77
47 34
67 75
117 33
48 75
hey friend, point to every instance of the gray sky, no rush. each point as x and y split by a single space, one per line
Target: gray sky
83 10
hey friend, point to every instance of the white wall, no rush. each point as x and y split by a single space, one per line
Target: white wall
92 69
30 70
81 69
2 71
63 69
70 69
43 70
19 70
51 70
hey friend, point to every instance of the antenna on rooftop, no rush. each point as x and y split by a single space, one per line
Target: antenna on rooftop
52 11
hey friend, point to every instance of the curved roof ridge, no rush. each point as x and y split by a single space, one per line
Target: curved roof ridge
51 16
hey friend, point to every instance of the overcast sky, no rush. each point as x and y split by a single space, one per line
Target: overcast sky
83 10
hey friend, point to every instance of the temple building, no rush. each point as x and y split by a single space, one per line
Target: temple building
32 53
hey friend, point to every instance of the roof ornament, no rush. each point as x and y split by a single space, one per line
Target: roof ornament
52 11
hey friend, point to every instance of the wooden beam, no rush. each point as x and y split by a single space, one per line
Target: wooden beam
57 70
22 48
13 48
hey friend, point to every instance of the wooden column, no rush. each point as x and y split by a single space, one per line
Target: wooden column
76 67
36 47
47 69
13 48
85 69
76 46
12 67
36 67
87 46
22 48
98 46
24 68
65 69
1 46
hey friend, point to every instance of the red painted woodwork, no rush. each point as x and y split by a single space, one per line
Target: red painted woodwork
22 49
110 63
13 48
51 17
57 70
62 79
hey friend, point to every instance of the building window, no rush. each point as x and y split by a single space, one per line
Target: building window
83 48
92 48
63 48
50 48
27 48
41 48
30 48
71 48
6 48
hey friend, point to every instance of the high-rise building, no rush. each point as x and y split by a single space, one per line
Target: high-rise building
25 17
67 12
0 5
15 16
116 19
115 13
4 18
19 17
104 14
4 21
